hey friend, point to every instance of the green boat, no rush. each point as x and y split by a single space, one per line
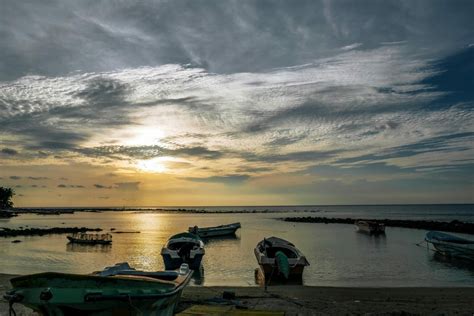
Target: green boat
117 290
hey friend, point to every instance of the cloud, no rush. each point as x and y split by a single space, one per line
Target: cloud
77 186
38 178
99 37
128 185
316 83
15 177
147 152
101 186
8 152
226 179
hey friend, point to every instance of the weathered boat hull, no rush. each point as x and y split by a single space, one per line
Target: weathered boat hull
174 263
370 228
183 248
271 271
451 246
69 294
223 230
266 252
88 242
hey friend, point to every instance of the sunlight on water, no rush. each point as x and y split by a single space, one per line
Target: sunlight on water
339 256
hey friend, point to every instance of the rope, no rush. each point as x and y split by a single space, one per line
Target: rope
139 312
11 311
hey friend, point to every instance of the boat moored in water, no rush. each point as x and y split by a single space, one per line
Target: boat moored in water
113 291
279 258
183 248
451 246
90 239
216 231
370 227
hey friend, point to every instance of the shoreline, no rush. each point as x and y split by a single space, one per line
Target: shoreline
313 300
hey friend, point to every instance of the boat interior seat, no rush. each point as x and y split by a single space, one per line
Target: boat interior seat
270 252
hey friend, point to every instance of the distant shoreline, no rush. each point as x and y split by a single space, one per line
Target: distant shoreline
58 211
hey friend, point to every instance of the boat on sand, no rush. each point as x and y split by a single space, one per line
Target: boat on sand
451 246
279 258
90 239
117 290
370 227
215 231
183 248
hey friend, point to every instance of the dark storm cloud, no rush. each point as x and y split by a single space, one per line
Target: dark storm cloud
64 36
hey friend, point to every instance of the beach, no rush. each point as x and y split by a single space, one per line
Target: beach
312 300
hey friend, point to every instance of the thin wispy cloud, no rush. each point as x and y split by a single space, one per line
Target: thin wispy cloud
236 92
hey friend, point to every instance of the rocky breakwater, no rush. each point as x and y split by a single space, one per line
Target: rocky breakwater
8 232
453 226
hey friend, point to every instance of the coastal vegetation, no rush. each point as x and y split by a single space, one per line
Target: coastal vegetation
6 195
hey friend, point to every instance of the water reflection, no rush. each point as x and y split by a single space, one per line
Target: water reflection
74 247
261 281
228 239
451 262
198 276
378 240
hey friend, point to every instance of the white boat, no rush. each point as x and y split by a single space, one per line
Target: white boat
222 230
279 258
370 227
451 246
183 248
90 239
114 291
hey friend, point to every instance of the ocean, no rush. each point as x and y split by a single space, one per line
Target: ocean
338 254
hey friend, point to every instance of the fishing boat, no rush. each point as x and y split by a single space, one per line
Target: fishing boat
117 290
279 258
451 246
90 239
216 231
183 248
370 227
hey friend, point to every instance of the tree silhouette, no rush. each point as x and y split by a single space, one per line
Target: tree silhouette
6 195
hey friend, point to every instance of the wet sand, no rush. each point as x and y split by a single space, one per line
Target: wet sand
311 300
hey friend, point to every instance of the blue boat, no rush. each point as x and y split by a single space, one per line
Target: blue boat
183 248
451 246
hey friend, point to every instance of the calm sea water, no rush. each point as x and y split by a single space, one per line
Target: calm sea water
339 256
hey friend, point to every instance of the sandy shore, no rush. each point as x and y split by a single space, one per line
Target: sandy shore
306 300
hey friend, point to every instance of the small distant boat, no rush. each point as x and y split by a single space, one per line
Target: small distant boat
113 291
451 246
370 227
222 230
183 248
90 239
279 258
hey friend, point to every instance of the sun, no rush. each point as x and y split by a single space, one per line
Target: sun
156 165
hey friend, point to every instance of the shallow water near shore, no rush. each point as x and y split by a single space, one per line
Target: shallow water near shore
339 256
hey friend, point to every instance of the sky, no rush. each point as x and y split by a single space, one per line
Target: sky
154 103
